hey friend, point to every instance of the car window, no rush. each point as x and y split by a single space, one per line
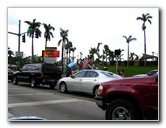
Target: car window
51 68
9 70
109 74
34 67
28 68
91 74
151 73
24 68
80 74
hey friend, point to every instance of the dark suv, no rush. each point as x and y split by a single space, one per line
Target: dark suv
38 73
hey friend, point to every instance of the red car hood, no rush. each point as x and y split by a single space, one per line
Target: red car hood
131 81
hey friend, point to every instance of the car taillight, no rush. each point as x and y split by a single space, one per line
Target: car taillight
42 75
100 90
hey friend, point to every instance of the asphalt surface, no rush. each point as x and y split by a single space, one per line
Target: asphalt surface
51 105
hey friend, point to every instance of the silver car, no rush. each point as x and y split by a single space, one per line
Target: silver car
86 81
151 73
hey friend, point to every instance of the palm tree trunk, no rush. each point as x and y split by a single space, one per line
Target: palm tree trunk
62 58
144 48
128 55
45 44
32 49
73 55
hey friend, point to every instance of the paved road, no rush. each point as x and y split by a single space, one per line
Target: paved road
51 104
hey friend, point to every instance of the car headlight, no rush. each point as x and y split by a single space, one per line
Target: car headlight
100 90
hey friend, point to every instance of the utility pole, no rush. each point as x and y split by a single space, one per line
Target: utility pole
19 35
19 29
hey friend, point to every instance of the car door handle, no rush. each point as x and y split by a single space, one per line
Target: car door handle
95 80
80 79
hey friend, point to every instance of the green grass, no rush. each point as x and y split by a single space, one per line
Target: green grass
131 70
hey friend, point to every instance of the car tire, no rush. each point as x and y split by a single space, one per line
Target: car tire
33 83
15 80
121 109
95 90
63 87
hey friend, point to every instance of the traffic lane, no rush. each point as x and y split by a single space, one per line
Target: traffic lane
60 110
51 104
22 94
23 91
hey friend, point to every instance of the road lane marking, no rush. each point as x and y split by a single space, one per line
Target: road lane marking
42 102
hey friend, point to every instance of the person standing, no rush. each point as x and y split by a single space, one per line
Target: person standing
122 73
68 72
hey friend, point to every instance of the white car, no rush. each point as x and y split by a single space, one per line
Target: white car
86 81
153 72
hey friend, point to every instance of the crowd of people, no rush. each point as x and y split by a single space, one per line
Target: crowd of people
70 71
72 68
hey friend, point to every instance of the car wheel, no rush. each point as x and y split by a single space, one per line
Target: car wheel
15 80
121 109
63 87
52 85
95 90
33 83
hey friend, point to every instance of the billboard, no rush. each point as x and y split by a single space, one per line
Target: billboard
50 53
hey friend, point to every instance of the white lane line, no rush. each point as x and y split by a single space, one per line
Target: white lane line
42 102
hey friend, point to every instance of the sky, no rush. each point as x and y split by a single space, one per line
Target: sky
87 27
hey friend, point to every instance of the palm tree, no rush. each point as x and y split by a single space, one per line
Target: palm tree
98 50
144 18
128 40
92 52
106 49
63 34
10 53
48 34
73 50
67 47
33 29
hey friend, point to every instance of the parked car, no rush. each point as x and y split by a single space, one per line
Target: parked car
38 73
10 74
153 72
86 81
133 98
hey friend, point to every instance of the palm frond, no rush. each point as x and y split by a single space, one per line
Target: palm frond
59 42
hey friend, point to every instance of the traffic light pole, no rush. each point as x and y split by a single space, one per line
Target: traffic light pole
19 29
19 35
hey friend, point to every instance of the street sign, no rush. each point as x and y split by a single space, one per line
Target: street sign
19 58
50 60
19 54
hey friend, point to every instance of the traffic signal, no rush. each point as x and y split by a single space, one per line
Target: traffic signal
36 35
23 38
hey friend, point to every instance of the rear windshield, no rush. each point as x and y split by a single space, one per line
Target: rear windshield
109 74
51 68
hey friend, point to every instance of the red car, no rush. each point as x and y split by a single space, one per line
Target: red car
132 98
